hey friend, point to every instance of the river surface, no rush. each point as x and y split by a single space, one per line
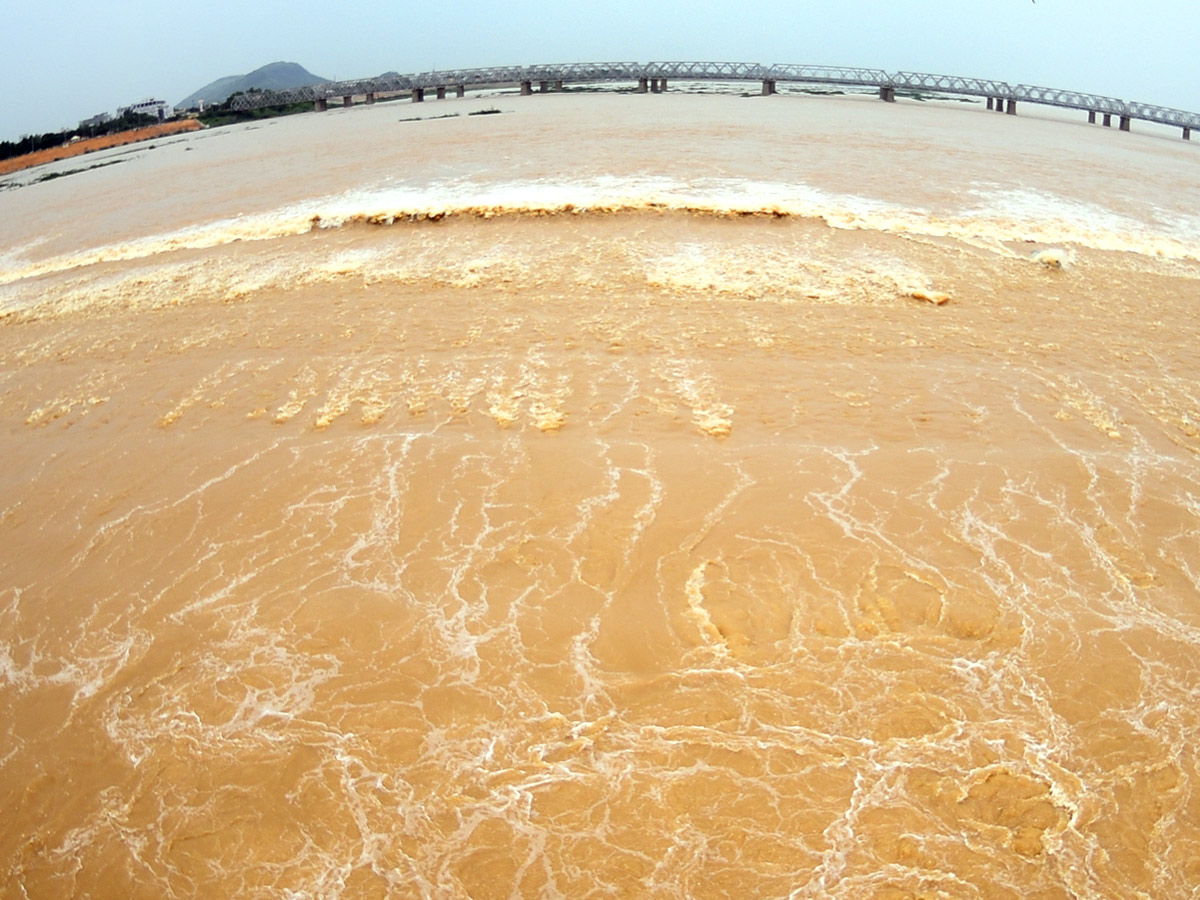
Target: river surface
617 496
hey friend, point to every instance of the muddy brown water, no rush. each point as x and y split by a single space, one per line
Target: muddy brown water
622 496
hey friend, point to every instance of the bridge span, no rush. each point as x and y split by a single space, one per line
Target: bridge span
654 77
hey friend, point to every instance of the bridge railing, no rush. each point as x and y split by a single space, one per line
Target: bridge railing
953 84
828 75
1163 115
582 73
704 71
260 99
506 75
490 75
1068 99
366 85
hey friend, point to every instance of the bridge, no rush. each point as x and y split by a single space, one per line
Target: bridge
654 77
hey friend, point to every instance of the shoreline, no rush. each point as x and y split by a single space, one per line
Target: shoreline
90 145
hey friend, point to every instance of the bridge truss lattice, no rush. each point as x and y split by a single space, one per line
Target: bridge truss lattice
616 72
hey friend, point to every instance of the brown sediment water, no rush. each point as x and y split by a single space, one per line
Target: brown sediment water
623 496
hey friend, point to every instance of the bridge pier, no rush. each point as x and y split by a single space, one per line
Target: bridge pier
1012 108
558 84
526 88
418 95
347 101
887 93
999 105
1187 133
643 85
544 86
768 87
461 90
1107 120
320 104
655 86
662 85
989 102
370 97
1125 122
441 92
1091 117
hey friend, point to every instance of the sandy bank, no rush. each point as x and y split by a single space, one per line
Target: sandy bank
89 145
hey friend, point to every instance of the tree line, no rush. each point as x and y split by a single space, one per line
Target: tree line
31 143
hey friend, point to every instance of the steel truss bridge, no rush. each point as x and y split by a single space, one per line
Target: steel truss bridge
1001 95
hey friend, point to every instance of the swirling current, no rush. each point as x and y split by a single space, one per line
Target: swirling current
619 496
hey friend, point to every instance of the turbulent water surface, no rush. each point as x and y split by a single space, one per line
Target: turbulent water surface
619 496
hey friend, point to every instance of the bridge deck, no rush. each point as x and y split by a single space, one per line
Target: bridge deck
592 73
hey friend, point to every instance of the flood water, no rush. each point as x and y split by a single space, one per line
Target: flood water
616 496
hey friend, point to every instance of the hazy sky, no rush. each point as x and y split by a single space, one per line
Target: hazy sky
64 60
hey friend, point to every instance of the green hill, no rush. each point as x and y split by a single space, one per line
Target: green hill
276 76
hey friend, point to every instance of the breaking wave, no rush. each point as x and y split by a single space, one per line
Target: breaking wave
988 221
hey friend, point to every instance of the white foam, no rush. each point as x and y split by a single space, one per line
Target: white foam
1016 215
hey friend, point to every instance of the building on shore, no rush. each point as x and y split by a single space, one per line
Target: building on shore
98 119
156 108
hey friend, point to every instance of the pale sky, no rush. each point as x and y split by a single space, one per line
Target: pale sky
64 60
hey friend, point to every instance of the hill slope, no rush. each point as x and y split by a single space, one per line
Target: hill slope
276 76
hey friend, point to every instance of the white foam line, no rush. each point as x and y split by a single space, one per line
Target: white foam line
1021 215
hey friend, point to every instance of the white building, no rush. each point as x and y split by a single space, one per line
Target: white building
156 108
